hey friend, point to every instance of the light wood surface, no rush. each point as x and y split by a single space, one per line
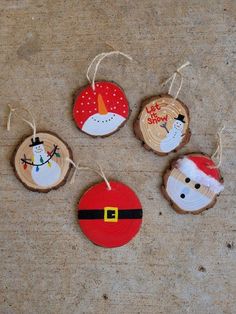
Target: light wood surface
176 264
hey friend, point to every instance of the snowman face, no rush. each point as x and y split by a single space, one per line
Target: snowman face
178 125
101 110
102 124
38 149
187 194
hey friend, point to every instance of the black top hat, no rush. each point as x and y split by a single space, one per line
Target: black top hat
36 142
180 118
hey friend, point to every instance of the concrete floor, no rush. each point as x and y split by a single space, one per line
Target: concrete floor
176 264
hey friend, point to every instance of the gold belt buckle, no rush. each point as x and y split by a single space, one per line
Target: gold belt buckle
113 216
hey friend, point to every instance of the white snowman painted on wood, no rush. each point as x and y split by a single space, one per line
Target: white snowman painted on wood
174 136
45 171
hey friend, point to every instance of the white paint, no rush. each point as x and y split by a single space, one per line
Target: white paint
193 201
173 138
46 176
102 124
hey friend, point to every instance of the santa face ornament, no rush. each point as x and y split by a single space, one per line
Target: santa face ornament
101 111
163 124
192 184
110 218
39 162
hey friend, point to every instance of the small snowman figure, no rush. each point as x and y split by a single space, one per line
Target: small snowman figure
45 171
174 136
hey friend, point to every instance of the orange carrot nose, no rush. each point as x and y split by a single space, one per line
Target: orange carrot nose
101 105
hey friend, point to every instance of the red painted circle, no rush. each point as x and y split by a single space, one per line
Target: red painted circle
86 103
110 234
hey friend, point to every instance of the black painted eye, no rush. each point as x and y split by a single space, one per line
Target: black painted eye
197 186
182 195
187 180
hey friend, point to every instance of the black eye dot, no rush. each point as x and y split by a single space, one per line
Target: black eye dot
182 195
187 180
197 186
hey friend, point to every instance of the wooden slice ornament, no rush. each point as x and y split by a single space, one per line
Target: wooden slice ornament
110 218
163 122
109 213
101 108
39 160
192 183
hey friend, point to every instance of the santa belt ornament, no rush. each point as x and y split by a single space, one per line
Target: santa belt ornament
110 214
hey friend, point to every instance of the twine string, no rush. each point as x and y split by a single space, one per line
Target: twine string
173 77
97 57
100 172
217 155
32 123
97 60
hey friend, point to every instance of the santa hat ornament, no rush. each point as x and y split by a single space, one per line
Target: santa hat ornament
100 108
193 182
109 212
163 122
39 159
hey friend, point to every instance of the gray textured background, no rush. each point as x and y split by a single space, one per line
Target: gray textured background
176 264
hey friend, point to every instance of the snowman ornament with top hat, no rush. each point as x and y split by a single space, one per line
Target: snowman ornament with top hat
163 122
39 159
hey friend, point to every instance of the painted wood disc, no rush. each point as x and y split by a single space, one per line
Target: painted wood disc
192 183
163 124
110 218
41 164
102 111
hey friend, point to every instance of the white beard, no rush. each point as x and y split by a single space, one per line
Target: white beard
193 200
102 124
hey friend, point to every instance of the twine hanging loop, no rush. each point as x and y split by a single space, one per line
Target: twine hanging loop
100 172
32 123
173 77
97 60
217 155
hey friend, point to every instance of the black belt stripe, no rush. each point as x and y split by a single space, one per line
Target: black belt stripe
99 213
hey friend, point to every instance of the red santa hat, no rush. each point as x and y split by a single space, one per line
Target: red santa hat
201 169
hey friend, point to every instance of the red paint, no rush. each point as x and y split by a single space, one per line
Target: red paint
204 163
86 103
155 120
153 108
110 234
